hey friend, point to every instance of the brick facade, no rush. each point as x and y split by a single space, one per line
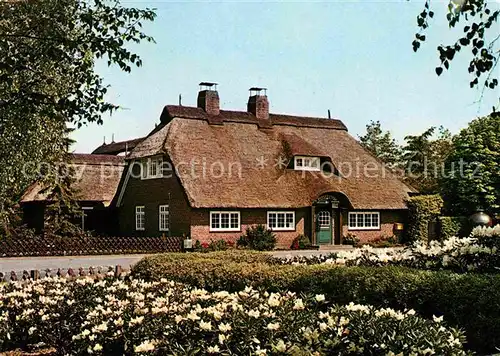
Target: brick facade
387 220
151 193
200 228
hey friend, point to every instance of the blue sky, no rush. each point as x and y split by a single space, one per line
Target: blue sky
352 57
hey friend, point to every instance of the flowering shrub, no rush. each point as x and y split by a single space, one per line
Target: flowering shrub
214 245
127 317
478 252
257 238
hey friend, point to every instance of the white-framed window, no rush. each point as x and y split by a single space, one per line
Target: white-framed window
225 221
306 163
140 218
364 220
152 168
163 217
281 220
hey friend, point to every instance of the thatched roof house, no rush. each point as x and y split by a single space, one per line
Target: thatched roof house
96 183
209 173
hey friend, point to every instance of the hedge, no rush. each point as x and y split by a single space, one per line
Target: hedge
421 210
450 226
469 301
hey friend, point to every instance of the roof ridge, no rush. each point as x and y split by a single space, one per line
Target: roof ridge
239 116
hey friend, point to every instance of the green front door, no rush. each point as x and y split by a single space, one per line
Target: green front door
324 227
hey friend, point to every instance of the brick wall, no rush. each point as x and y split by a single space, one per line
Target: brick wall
151 193
387 220
200 228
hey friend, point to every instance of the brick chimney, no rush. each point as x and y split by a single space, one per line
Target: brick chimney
208 98
258 103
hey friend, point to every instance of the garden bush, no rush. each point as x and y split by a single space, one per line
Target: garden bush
258 238
480 252
115 317
450 226
469 301
213 245
421 210
350 239
301 242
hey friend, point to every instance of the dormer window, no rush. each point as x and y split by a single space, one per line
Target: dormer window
152 168
307 163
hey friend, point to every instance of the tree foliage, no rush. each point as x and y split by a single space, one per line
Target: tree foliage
472 177
381 144
480 36
423 159
48 51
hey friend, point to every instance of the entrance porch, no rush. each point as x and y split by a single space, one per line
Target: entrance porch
327 218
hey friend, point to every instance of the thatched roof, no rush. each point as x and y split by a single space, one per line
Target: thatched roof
97 178
233 138
115 148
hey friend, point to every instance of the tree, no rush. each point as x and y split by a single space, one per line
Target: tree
472 178
381 144
480 35
424 158
48 51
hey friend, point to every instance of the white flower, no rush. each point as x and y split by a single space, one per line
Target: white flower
205 325
222 338
260 352
273 326
320 297
298 304
254 313
437 319
97 347
224 327
213 349
137 320
280 346
145 346
273 300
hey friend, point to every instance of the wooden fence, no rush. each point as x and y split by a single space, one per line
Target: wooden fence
95 272
93 245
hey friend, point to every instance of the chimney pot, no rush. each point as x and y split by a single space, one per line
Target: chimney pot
208 98
258 103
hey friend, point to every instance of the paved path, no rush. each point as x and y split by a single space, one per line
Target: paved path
16 264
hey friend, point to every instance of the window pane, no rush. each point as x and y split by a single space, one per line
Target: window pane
315 163
360 222
215 221
272 220
375 221
234 221
163 217
152 168
224 221
352 220
289 220
299 162
368 220
281 220
159 168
